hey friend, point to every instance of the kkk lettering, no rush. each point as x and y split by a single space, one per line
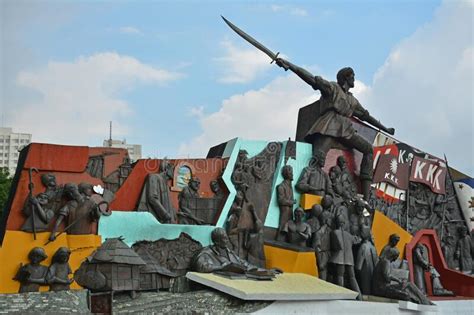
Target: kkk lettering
406 153
430 173
389 170
402 151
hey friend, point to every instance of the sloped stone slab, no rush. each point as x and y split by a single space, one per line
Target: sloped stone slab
285 287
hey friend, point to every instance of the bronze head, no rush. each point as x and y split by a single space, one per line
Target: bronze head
287 172
346 76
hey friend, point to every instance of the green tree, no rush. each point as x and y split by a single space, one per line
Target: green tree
5 184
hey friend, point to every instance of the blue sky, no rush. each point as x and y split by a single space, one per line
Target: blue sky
174 78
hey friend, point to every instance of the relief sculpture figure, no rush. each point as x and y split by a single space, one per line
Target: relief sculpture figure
386 284
313 180
155 194
285 198
32 275
188 195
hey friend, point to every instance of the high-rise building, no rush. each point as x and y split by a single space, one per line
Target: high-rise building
134 150
10 145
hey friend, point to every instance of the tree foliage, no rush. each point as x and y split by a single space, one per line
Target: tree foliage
5 184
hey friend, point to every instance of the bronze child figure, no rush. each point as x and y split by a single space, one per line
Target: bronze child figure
59 271
31 276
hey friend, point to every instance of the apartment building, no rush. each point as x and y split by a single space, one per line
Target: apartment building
10 145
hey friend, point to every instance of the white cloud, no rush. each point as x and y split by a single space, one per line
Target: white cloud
78 98
269 113
276 7
241 65
425 88
289 9
361 91
298 12
197 111
130 30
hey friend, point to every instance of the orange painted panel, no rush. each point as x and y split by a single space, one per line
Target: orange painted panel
17 245
307 201
383 227
291 261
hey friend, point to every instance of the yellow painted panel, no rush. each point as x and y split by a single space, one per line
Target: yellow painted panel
307 201
383 227
17 245
290 261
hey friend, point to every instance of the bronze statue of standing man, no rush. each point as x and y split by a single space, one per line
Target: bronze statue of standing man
285 198
337 106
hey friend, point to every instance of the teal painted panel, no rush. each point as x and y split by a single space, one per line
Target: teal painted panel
226 177
273 214
136 226
253 147
303 155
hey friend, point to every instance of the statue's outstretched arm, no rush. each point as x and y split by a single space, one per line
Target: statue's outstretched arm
364 115
302 73
374 122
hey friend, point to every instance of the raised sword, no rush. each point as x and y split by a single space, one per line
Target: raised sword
253 41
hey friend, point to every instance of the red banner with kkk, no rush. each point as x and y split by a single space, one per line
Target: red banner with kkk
430 173
389 170
397 164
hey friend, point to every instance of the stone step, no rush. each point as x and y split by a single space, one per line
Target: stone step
202 301
149 303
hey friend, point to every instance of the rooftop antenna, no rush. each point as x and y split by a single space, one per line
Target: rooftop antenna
110 135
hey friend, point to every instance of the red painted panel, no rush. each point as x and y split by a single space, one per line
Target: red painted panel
128 195
113 157
67 163
353 159
15 217
51 157
459 283
126 198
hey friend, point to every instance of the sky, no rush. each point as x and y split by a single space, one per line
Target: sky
172 76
